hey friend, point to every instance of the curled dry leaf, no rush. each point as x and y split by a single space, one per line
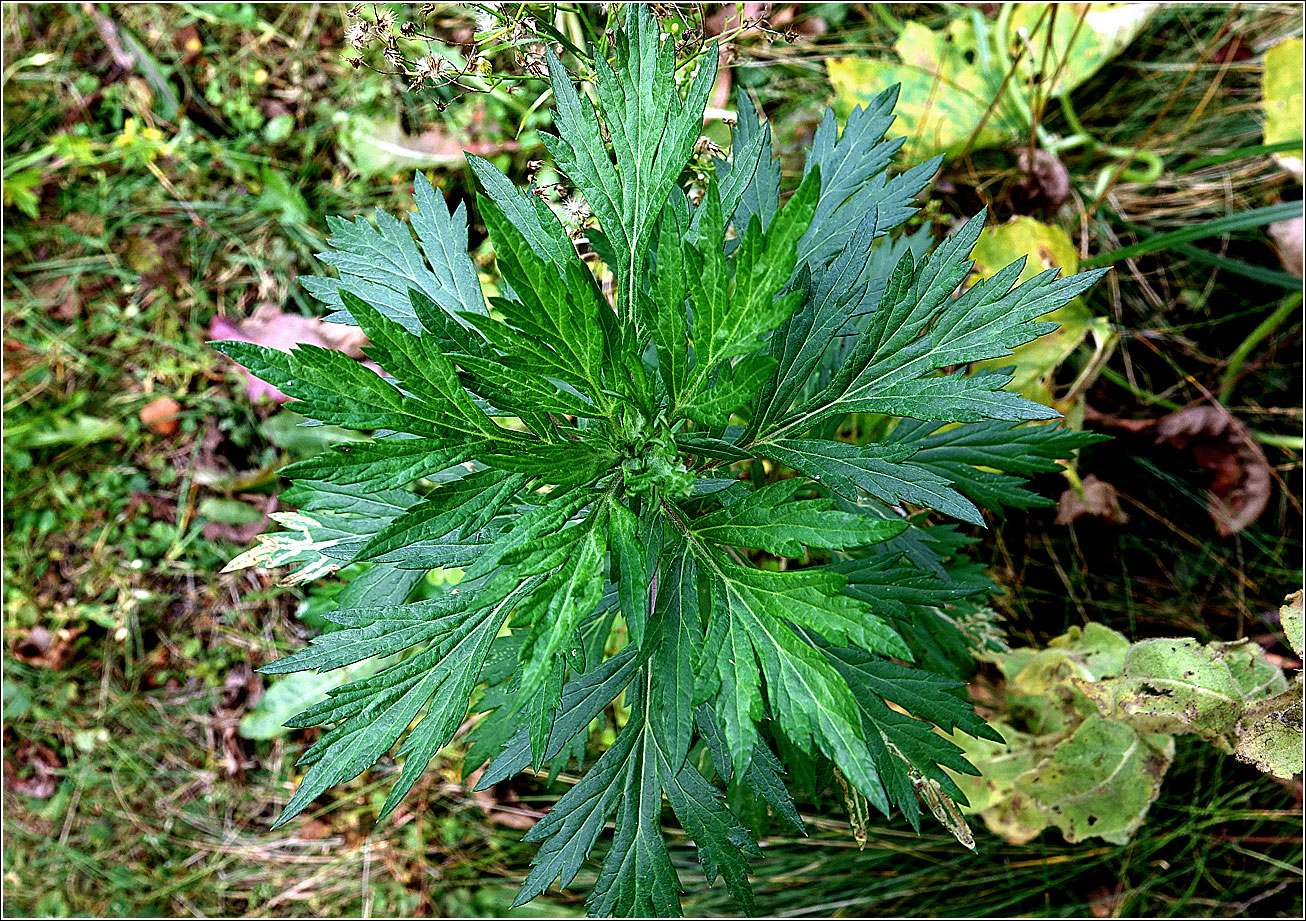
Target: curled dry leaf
1098 498
1243 481
271 327
1288 243
1045 185
1220 443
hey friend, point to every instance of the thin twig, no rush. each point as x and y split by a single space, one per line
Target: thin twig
108 30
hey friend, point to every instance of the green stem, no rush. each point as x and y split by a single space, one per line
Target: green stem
1147 398
1291 442
1152 165
1239 357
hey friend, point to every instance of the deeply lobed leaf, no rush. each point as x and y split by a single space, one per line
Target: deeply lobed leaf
646 497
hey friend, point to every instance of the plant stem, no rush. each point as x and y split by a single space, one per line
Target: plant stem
1239 357
1291 442
1152 169
1149 399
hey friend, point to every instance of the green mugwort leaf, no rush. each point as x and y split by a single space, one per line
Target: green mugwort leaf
673 577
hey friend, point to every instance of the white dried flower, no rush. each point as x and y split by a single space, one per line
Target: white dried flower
486 21
356 35
428 68
385 21
576 209
392 54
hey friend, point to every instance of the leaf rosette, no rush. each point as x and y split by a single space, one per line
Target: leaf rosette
645 495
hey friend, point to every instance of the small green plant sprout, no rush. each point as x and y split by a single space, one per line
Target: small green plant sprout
645 493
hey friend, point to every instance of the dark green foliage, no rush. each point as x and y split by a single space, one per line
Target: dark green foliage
597 472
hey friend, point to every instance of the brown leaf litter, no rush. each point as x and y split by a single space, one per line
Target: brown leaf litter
269 326
1241 478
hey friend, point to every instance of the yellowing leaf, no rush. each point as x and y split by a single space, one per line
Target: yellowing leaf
1179 686
1041 685
951 78
1044 246
1088 754
1100 782
1066 50
1270 734
1290 618
1000 763
1282 99
1047 246
943 95
1060 763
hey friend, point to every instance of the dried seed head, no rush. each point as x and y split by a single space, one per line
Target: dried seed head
407 29
533 62
357 35
576 208
428 68
385 21
391 53
706 145
355 11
